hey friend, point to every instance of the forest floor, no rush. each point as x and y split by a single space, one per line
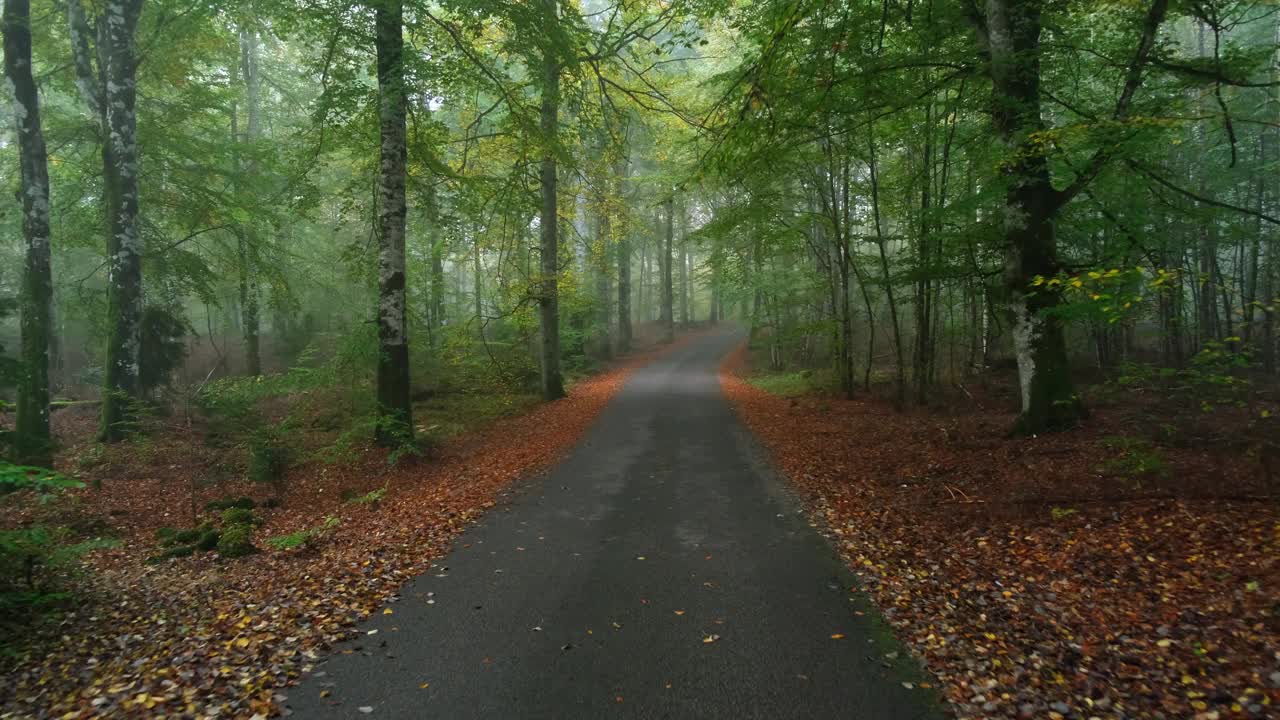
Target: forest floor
1083 574
206 636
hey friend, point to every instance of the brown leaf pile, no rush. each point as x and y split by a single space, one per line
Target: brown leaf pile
1111 607
205 637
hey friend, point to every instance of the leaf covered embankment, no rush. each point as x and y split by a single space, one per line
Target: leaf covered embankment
204 636
1105 608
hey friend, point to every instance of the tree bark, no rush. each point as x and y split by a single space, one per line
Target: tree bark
684 269
124 244
249 315
31 434
668 291
395 413
900 384
549 223
624 274
1049 399
604 312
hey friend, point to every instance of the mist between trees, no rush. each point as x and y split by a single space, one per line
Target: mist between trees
464 195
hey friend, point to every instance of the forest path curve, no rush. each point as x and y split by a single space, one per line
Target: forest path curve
661 570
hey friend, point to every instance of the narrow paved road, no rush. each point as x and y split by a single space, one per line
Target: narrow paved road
660 571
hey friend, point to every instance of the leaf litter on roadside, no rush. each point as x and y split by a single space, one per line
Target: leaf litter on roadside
1128 609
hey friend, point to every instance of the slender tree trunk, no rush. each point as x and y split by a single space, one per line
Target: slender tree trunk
684 268
901 377
604 314
395 412
437 288
668 294
477 281
1049 399
713 312
923 355
124 244
549 224
31 437
249 319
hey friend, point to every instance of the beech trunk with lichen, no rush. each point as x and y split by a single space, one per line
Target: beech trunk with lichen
124 242
549 222
1048 393
247 250
31 434
395 415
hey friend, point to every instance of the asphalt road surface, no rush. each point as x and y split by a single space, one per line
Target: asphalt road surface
661 570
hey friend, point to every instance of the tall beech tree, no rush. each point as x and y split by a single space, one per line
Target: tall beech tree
31 435
552 48
111 94
246 236
1009 36
395 412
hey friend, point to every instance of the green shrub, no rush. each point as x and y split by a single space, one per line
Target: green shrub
30 559
236 541
373 497
240 516
304 537
268 457
208 540
1137 458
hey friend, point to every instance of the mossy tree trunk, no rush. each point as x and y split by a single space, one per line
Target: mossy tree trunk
395 416
124 243
32 441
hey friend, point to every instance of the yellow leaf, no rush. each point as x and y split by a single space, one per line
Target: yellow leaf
424 686
837 636
387 611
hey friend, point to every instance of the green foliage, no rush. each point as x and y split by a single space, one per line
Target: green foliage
306 537
37 479
236 541
240 516
1136 458
787 384
373 497
163 333
268 456
32 558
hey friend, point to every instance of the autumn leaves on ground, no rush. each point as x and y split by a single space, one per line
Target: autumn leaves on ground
205 636
1069 575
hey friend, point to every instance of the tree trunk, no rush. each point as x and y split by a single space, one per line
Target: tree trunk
549 301
684 269
248 251
31 436
124 245
1049 399
477 282
923 356
668 291
900 384
436 318
604 313
395 413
